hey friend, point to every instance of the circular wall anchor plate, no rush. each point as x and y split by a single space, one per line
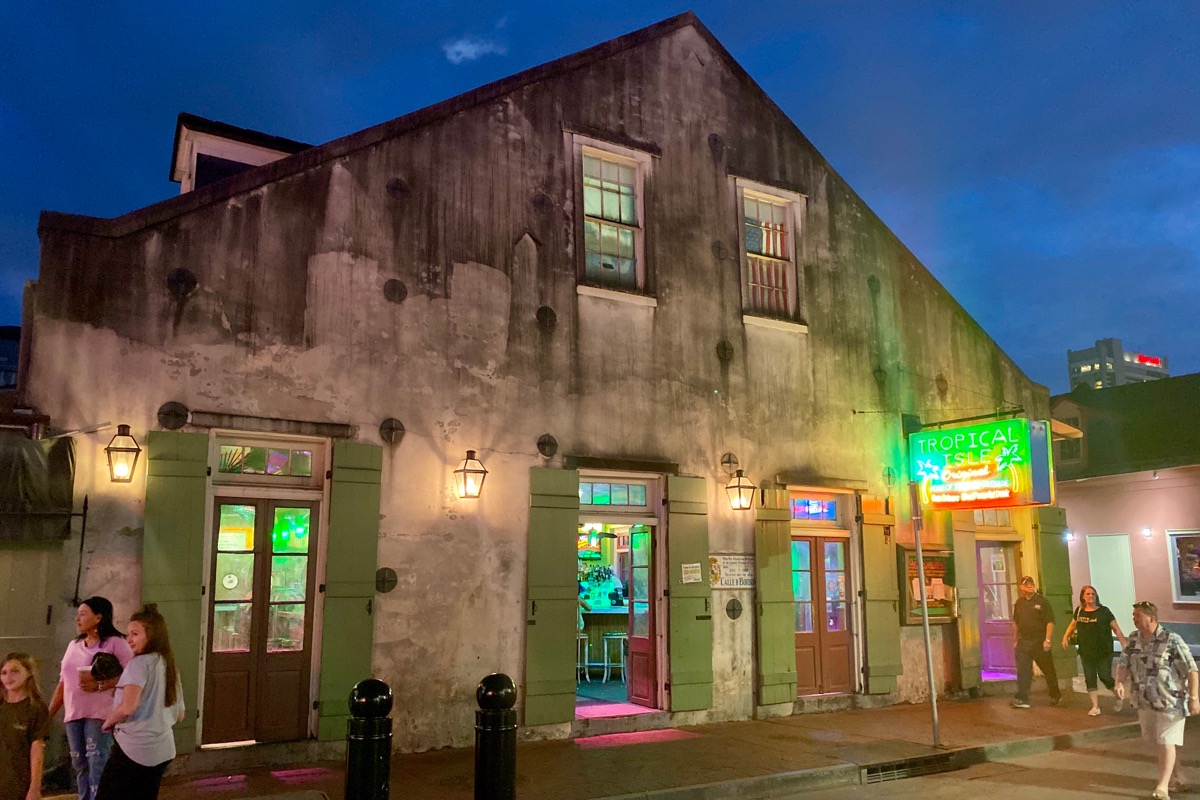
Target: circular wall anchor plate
385 580
547 445
391 430
181 282
172 416
733 609
395 291
546 317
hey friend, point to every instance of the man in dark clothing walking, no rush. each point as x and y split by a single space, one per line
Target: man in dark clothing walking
1034 631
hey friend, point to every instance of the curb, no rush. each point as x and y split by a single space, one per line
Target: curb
854 774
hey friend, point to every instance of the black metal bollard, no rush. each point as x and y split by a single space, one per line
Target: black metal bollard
496 739
369 741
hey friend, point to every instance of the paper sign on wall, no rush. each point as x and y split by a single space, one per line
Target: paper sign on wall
727 571
691 573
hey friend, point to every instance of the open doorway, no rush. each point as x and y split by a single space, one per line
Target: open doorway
617 651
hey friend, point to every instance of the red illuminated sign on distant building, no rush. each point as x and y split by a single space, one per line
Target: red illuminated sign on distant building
1150 361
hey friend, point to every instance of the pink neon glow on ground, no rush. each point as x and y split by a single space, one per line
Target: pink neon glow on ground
307 775
989 675
643 737
222 783
604 710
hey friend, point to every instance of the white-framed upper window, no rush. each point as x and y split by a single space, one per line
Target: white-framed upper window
267 461
1184 554
610 190
769 222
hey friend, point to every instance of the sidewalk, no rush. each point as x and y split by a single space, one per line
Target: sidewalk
751 759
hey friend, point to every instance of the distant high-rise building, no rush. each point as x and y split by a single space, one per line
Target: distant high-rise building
1109 364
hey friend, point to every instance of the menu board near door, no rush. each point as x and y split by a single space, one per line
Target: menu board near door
939 587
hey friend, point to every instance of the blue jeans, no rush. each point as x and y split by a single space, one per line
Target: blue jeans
89 752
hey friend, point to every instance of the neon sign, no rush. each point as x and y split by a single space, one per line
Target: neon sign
1002 464
1149 361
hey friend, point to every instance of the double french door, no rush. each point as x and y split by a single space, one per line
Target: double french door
260 620
820 578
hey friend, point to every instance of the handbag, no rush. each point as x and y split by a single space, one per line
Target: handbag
1073 639
105 667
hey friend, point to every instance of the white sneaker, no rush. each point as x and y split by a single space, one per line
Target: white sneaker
1095 712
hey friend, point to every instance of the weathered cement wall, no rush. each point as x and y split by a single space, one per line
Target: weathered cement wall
290 320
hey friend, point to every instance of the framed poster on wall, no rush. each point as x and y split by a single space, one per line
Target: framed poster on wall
939 587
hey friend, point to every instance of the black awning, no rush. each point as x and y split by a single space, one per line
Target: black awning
37 486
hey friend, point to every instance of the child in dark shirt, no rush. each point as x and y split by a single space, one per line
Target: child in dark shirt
24 726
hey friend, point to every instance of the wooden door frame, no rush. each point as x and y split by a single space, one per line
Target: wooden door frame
1012 559
259 492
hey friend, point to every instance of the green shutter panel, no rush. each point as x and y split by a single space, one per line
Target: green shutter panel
352 545
776 618
881 607
690 636
1050 524
551 611
173 553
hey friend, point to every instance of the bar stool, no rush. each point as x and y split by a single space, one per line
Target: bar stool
622 641
582 654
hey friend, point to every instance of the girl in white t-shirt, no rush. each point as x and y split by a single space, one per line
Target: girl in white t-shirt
149 702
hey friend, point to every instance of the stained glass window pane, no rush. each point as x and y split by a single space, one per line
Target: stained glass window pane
800 555
289 533
285 627
255 461
235 577
637 495
585 494
620 494
231 459
236 532
277 461
231 628
289 578
600 494
302 463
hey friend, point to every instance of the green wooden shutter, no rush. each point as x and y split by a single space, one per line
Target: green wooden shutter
966 588
776 618
881 608
552 609
1050 525
173 553
690 636
352 544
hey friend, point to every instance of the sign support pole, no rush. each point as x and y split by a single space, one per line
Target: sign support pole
917 523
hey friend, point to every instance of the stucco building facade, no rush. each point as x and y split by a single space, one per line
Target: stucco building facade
609 271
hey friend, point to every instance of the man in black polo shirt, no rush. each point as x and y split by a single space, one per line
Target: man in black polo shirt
1034 631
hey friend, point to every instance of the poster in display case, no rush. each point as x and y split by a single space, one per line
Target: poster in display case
939 587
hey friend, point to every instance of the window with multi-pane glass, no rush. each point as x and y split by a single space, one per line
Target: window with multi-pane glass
610 226
770 272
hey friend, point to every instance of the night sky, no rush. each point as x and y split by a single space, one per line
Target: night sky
1041 159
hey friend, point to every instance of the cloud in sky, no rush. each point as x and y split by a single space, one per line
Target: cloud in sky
470 48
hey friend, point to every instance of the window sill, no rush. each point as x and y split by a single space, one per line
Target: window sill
774 324
613 294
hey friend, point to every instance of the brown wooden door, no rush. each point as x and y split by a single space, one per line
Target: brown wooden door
641 662
997 591
260 621
822 630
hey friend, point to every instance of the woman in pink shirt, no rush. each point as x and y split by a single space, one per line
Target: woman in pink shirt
88 702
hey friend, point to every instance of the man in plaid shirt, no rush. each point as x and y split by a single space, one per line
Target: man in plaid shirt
1165 689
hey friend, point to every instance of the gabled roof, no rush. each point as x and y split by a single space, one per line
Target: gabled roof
1136 427
338 148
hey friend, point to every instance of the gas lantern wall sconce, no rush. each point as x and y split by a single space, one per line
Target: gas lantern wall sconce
469 477
741 491
122 452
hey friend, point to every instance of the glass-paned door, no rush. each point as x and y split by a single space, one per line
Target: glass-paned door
822 630
641 659
997 591
260 623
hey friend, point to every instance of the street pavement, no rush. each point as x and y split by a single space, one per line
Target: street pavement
748 759
1119 770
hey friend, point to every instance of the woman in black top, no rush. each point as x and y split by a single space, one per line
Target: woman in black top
1094 626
